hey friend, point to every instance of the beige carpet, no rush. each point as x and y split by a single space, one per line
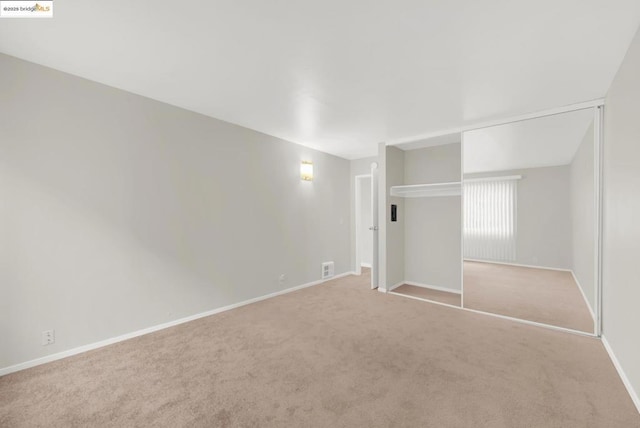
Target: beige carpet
429 294
542 295
334 355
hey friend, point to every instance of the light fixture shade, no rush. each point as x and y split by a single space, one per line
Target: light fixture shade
306 171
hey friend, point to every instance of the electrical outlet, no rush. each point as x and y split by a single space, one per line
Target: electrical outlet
48 337
282 278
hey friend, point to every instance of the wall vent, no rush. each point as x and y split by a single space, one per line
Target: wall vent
327 270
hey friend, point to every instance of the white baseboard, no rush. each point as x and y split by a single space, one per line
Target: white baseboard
622 374
534 323
584 296
106 342
366 265
340 275
424 300
394 286
434 287
517 265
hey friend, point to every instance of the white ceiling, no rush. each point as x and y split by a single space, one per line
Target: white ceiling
339 76
439 140
546 141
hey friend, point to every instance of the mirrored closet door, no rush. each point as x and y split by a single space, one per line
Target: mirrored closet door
529 220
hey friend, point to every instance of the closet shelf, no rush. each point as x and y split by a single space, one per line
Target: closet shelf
427 190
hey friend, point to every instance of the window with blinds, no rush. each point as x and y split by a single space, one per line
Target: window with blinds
490 219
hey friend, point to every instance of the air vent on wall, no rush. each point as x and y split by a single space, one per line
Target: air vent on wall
327 270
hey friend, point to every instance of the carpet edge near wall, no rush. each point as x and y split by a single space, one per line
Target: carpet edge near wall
147 330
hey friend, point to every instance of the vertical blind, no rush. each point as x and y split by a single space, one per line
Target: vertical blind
490 219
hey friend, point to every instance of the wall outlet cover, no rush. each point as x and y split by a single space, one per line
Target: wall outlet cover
48 337
327 270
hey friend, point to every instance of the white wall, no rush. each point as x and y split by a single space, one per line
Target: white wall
583 217
621 257
433 225
119 213
543 215
394 230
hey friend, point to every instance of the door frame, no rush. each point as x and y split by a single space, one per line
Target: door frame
375 220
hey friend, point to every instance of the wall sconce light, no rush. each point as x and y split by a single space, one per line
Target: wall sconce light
306 171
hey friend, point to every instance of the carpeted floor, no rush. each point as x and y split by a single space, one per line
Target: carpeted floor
334 355
542 295
452 299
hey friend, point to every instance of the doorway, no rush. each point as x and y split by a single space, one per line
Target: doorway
365 226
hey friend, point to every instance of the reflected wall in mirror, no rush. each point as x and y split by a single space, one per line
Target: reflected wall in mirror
529 220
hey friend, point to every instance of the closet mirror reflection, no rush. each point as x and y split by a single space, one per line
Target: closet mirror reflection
529 220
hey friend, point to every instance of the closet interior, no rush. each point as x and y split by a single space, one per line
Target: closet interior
427 234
